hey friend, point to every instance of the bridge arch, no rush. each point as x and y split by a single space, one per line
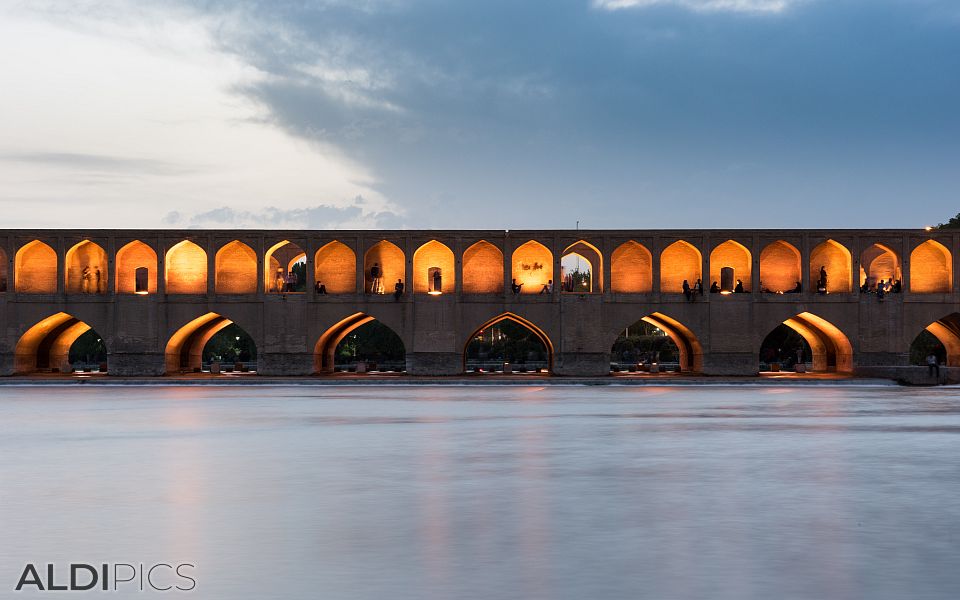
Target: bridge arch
429 259
185 269
837 260
780 269
946 330
539 333
46 345
131 258
35 268
678 262
931 268
735 255
879 262
236 269
691 351
631 269
587 252
532 266
184 349
279 261
830 348
86 269
483 269
324 353
389 258
335 267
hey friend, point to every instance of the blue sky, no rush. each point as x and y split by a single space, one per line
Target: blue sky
494 114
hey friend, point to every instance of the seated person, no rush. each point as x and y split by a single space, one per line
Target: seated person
714 288
796 289
896 287
739 287
321 289
865 288
516 287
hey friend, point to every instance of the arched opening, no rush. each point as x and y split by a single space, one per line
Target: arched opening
3 270
185 269
359 343
86 271
679 262
731 255
335 269
483 269
833 261
646 348
433 270
236 269
780 270
827 348
940 338
581 268
532 267
212 343
383 267
285 269
931 268
689 350
508 343
136 269
35 269
59 344
784 349
631 269
879 263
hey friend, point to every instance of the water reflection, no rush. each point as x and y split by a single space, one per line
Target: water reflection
493 492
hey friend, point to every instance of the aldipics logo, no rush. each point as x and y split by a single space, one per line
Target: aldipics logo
108 577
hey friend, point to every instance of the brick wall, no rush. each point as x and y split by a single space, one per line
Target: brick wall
236 269
336 267
835 258
132 256
433 254
36 268
186 269
631 269
532 266
391 261
731 254
483 269
930 268
780 268
679 261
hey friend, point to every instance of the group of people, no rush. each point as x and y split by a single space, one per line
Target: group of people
376 282
516 288
690 292
91 280
286 282
882 287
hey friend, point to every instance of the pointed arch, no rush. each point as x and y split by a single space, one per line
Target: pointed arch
691 351
429 256
336 268
35 269
391 261
483 269
732 253
532 266
780 267
86 269
831 347
837 260
931 268
185 269
236 269
631 269
133 256
279 261
505 316
46 345
879 262
679 261
324 352
593 257
184 349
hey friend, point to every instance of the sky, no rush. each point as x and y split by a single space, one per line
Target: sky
493 114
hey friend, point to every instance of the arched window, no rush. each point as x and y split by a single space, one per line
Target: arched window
678 262
532 267
631 269
186 269
433 270
780 269
136 269
35 269
483 269
733 255
835 260
931 268
336 268
236 272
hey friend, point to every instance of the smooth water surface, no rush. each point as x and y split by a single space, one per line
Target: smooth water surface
491 492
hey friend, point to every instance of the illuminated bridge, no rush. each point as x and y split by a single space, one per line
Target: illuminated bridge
157 296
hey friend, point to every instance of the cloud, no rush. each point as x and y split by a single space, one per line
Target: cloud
320 216
739 6
99 163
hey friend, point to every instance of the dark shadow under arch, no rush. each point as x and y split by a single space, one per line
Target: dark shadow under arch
184 350
537 332
691 351
829 346
326 347
46 345
947 332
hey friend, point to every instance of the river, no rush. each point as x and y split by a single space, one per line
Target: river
490 492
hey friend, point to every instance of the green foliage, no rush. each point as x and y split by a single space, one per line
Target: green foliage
518 345
225 347
644 343
953 223
300 270
88 348
372 341
923 345
579 280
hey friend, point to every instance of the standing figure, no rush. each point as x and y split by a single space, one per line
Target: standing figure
437 281
376 287
96 279
822 283
280 282
397 290
698 287
687 292
933 365
85 277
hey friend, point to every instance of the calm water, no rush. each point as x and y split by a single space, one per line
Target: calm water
491 492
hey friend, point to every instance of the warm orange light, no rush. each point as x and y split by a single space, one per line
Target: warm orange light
435 293
725 293
141 293
928 228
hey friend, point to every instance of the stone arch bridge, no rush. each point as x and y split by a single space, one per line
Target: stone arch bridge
157 296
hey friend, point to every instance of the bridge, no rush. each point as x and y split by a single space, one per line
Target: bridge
157 296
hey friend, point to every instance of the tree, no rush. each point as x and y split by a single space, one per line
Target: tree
953 223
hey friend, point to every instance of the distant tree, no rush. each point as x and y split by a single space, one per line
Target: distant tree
953 223
225 345
88 348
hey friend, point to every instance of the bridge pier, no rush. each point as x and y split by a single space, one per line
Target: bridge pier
582 364
730 363
131 364
285 363
6 364
434 363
